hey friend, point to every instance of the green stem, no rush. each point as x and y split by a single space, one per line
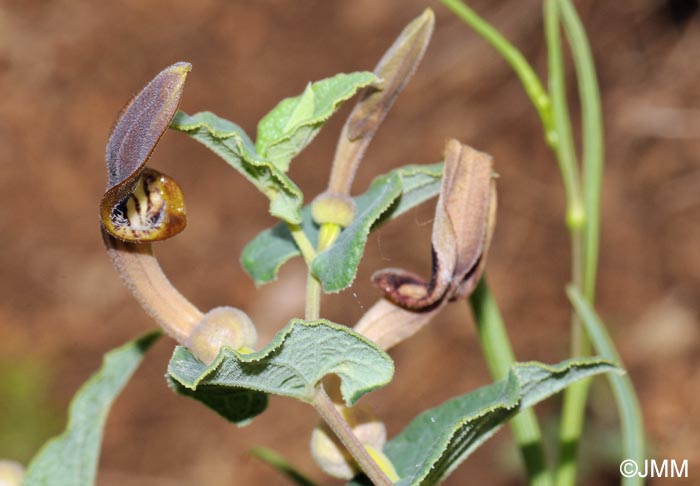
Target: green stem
326 409
622 387
531 82
587 240
322 402
583 202
574 402
313 286
499 358
303 243
592 128
564 149
313 297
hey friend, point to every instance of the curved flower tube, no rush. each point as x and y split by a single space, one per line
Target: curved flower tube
142 205
465 217
395 69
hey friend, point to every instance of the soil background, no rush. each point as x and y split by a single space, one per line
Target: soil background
68 66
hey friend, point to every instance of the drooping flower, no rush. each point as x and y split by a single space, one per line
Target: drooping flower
142 205
464 221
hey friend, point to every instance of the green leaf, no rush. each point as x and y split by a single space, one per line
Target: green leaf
266 253
336 267
449 433
628 407
71 458
294 122
419 182
263 256
282 465
237 405
298 357
231 143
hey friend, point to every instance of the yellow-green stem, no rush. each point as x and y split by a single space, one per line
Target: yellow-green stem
313 297
531 82
584 236
499 356
303 243
565 149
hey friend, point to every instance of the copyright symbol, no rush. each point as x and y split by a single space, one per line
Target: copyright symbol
628 468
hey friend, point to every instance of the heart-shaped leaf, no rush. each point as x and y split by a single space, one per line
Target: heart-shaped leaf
71 458
298 357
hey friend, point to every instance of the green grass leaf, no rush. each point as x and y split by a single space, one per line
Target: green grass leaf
230 142
628 408
72 457
282 465
298 357
449 433
294 122
388 197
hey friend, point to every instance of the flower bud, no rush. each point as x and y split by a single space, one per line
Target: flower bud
330 454
11 473
221 326
333 208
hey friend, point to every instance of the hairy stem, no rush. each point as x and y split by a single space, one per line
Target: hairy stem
141 273
499 358
326 409
313 297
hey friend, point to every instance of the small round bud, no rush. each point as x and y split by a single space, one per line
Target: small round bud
575 217
330 454
221 326
11 473
333 208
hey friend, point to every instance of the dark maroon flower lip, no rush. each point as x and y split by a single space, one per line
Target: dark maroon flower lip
464 221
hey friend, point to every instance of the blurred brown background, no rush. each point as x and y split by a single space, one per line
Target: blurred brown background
67 67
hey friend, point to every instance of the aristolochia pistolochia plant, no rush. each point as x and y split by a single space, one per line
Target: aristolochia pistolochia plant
329 366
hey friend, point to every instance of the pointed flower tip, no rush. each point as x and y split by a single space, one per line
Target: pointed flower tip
181 68
428 16
418 32
143 206
425 22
